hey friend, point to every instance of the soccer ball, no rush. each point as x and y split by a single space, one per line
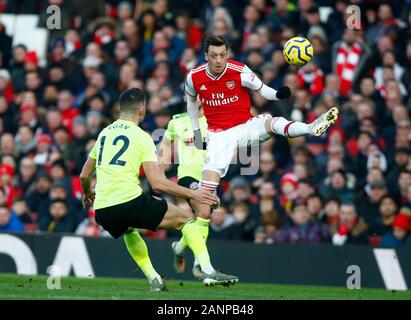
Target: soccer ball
298 51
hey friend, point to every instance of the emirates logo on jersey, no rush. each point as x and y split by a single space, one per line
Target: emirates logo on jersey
219 99
230 84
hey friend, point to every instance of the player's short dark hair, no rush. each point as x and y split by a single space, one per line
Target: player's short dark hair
131 100
214 41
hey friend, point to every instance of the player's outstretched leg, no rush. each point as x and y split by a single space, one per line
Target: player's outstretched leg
292 129
137 248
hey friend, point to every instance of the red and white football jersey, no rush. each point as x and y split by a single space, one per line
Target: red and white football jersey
225 98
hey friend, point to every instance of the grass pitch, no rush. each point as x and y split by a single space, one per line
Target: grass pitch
35 287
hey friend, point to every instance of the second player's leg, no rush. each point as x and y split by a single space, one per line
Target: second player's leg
209 181
175 217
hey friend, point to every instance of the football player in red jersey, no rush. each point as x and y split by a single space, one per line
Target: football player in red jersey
222 86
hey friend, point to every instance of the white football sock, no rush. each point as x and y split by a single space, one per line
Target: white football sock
286 128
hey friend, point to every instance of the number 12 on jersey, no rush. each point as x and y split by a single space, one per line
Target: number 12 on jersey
116 159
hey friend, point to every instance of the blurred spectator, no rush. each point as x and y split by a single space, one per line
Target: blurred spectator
315 206
285 13
7 145
6 182
388 209
21 210
349 57
239 190
188 60
189 30
303 230
89 227
305 189
61 139
368 205
400 231
43 144
312 78
222 24
336 21
315 25
9 222
65 106
338 187
268 201
389 64
332 210
25 143
5 47
39 196
402 156
7 114
404 182
350 227
27 175
252 17
244 221
386 25
288 185
267 170
58 191
222 225
270 224
59 220
78 152
6 86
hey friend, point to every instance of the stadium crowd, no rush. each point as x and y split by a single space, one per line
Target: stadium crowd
352 185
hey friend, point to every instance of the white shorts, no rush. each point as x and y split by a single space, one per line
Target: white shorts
222 145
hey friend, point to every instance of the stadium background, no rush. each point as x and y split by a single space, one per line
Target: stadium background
58 88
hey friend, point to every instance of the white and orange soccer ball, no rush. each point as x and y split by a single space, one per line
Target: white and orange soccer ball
298 51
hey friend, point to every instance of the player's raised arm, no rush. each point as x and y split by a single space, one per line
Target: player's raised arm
192 109
250 80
